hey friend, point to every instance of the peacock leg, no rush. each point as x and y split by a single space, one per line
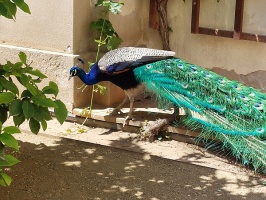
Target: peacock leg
129 116
131 93
118 108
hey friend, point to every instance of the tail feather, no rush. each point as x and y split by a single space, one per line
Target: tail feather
231 112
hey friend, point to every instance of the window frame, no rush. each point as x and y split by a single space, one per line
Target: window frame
237 33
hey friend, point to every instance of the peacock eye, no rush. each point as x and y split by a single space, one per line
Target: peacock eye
74 72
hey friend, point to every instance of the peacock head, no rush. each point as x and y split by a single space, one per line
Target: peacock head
89 78
75 71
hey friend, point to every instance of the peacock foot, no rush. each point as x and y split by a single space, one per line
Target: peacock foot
115 111
126 120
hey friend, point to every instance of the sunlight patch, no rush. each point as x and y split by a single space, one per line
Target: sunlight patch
72 163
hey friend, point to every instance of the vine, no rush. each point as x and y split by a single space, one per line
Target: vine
107 37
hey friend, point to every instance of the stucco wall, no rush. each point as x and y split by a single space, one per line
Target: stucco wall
52 36
208 51
57 31
49 27
238 59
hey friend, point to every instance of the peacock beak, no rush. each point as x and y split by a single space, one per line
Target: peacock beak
70 77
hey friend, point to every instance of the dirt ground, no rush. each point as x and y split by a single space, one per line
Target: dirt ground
74 162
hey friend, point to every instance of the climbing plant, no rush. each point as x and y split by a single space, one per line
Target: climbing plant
31 104
106 36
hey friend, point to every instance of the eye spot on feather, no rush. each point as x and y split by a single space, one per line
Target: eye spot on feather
260 130
207 74
221 80
210 100
258 106
244 98
149 66
180 66
237 110
185 85
194 70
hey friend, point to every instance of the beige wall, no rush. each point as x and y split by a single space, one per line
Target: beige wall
53 35
57 31
208 51
49 27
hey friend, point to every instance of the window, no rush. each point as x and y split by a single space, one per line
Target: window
236 21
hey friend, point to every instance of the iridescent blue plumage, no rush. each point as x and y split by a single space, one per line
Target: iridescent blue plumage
90 78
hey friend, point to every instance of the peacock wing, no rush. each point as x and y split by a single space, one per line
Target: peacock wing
121 59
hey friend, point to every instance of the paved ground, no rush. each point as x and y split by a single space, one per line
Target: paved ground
61 168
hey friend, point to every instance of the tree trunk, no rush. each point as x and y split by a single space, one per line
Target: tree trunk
163 22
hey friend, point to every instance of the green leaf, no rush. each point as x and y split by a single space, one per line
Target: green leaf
11 129
46 114
113 43
26 93
44 101
9 140
8 161
5 180
6 97
4 10
3 113
28 109
25 80
22 5
34 126
23 57
60 111
15 108
17 66
36 72
44 125
9 85
18 120
51 89
38 113
33 90
99 3
12 9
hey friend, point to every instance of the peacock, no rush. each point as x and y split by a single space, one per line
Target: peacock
224 110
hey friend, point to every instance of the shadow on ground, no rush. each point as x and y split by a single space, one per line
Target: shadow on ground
53 168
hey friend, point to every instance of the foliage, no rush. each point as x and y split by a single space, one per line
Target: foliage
107 36
31 104
8 8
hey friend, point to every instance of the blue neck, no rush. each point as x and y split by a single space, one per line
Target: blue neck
90 78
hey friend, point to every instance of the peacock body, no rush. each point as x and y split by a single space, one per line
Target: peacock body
223 109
